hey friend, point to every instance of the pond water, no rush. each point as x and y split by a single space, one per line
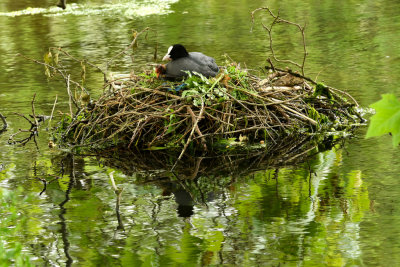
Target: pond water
338 208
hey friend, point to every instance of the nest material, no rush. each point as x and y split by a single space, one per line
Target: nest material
143 112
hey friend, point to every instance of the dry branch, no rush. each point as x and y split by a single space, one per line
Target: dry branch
277 20
34 127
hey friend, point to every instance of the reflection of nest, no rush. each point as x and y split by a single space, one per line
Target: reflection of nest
197 179
156 165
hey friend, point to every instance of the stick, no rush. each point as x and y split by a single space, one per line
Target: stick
69 96
55 69
203 140
345 93
161 93
277 20
113 182
126 49
72 57
33 110
5 125
190 136
52 111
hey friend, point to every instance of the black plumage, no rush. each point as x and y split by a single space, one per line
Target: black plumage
182 61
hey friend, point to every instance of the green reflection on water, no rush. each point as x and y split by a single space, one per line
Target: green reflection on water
284 215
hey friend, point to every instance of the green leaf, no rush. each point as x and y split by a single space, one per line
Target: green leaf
55 58
48 58
387 118
47 72
156 148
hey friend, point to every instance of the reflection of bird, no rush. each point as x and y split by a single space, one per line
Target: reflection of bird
62 4
182 197
185 203
182 61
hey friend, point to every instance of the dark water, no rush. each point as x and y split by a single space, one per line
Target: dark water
339 208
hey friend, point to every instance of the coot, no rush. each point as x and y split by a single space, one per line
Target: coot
182 61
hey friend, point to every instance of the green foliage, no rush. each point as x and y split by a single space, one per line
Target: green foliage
201 89
315 115
172 119
47 59
387 118
239 79
65 121
237 74
51 60
151 75
323 90
212 90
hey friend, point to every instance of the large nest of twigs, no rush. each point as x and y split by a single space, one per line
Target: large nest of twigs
233 108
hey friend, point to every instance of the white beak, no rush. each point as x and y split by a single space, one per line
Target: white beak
166 57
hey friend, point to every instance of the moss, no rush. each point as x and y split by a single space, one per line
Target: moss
323 90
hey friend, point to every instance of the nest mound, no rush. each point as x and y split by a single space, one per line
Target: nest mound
143 112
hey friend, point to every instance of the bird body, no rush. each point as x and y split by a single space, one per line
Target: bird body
182 61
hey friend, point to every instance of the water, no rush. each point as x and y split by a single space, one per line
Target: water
339 208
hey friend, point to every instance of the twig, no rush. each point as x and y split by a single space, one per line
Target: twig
345 93
34 129
64 75
33 109
78 60
294 74
52 112
126 49
276 20
69 97
203 140
113 182
5 125
191 134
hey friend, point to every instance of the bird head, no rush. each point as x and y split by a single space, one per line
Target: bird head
176 51
160 70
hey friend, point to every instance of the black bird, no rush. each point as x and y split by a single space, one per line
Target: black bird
182 61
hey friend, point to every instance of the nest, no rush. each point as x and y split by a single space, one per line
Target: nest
235 107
